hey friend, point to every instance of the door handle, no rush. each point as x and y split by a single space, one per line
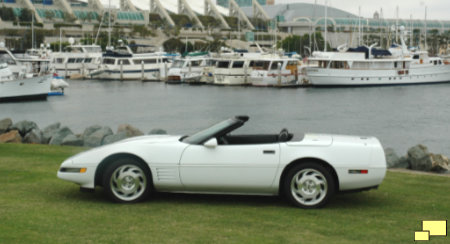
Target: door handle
269 152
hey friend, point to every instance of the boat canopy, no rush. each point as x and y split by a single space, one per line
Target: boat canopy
375 52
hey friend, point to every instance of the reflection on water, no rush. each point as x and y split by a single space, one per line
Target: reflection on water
400 116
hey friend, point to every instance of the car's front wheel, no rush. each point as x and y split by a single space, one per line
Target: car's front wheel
308 185
127 180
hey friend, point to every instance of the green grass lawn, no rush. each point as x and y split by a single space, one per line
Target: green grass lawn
37 207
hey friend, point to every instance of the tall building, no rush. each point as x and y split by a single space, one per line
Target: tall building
243 3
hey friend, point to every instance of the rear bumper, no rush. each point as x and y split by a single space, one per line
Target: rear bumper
348 181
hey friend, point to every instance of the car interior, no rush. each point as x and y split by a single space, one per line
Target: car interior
283 136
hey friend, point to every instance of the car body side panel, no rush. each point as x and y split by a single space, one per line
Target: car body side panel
230 168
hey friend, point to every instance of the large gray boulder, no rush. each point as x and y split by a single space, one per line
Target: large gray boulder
114 138
59 136
157 132
72 140
418 157
392 160
90 130
403 163
96 139
129 130
24 127
33 137
49 132
5 124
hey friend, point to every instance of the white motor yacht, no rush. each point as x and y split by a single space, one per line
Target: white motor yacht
367 66
77 61
124 64
194 68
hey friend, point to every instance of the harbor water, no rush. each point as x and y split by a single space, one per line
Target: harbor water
399 116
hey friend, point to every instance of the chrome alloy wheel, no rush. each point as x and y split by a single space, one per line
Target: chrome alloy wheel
128 182
309 187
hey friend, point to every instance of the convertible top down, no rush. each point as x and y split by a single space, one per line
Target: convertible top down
308 171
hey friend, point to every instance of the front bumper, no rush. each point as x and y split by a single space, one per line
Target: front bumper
75 174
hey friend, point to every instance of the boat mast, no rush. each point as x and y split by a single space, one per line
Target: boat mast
426 46
109 25
396 26
411 31
359 26
32 30
326 29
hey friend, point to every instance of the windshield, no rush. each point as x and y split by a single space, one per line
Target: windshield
205 134
178 64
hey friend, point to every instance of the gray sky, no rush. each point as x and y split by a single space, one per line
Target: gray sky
437 9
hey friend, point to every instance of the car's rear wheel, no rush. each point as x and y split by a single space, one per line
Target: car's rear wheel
127 180
308 185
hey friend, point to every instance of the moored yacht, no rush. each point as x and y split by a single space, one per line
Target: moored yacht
274 70
367 66
18 80
77 60
119 65
191 69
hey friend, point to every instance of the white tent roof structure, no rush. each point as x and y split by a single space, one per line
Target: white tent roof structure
171 5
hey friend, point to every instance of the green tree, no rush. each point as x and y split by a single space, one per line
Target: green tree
7 14
25 15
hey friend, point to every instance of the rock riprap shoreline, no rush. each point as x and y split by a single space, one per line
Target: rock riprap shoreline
418 158
56 134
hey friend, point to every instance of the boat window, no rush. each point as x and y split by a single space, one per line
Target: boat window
195 63
125 61
339 65
109 61
165 60
395 64
274 65
323 64
440 62
71 60
260 65
416 56
6 58
178 64
210 62
292 63
59 60
223 64
238 64
435 62
80 60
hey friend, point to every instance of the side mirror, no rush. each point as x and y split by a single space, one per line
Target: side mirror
211 143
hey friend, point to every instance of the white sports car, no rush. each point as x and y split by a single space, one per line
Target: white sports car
307 171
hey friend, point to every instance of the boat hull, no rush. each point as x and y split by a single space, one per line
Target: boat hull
333 77
35 88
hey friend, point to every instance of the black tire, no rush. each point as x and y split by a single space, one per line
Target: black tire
127 180
308 185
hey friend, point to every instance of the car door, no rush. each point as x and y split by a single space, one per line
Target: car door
229 168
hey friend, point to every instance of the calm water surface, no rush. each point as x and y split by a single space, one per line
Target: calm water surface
400 116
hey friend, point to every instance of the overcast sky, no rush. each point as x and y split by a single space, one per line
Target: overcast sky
437 9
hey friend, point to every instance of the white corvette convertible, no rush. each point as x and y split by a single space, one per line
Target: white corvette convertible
307 171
